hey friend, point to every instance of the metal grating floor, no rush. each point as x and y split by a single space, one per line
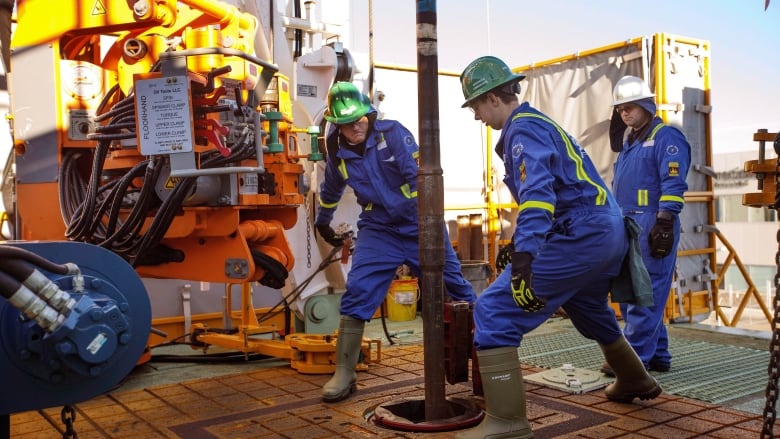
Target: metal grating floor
706 371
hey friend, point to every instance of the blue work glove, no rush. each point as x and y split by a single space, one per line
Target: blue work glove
661 236
329 235
522 283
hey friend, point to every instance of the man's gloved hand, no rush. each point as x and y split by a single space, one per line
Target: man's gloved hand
522 283
329 235
504 256
661 236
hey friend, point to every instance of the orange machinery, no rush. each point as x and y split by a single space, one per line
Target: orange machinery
151 129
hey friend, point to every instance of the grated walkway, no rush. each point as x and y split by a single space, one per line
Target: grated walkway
710 372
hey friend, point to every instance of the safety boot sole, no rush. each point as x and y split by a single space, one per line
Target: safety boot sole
628 397
352 388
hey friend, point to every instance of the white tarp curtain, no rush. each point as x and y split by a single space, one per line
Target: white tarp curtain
577 94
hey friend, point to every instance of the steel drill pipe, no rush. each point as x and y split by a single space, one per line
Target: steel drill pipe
430 211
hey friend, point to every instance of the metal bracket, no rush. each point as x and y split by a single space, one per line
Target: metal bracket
677 285
186 303
705 228
706 170
237 268
706 277
671 106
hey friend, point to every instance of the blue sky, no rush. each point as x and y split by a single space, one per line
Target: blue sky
744 40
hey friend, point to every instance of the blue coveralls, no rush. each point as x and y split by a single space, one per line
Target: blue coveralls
650 176
568 221
384 180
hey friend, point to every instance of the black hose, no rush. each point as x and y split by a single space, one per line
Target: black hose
76 229
163 219
8 285
106 99
9 251
71 187
382 314
117 197
126 104
17 268
125 240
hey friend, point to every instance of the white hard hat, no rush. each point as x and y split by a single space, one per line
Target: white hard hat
629 89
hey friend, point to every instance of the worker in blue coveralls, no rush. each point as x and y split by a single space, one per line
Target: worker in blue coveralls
649 183
378 160
569 242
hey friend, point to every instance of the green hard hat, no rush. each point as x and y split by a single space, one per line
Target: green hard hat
485 74
346 104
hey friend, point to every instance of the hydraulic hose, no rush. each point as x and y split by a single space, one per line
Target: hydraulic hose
29 304
8 251
17 268
26 274
8 285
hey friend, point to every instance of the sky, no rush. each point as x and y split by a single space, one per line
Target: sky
743 36
744 40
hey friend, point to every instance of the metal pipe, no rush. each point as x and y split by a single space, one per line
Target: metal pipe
259 230
194 172
225 13
402 68
327 30
220 51
430 211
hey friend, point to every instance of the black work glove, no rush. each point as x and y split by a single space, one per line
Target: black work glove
661 236
522 283
329 235
504 256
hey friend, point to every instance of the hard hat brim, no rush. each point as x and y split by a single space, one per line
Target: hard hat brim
516 77
632 99
343 120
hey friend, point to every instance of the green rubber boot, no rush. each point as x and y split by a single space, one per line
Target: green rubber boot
631 378
344 380
504 391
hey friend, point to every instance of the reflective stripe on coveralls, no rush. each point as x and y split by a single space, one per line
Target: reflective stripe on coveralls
384 180
342 167
581 174
576 253
650 176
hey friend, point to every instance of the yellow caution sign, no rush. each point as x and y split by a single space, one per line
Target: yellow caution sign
171 182
98 8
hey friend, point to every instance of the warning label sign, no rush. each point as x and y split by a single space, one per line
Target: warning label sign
164 116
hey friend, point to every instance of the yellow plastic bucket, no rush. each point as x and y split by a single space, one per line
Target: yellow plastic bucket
401 300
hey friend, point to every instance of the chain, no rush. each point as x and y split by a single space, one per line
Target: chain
68 418
308 233
770 410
